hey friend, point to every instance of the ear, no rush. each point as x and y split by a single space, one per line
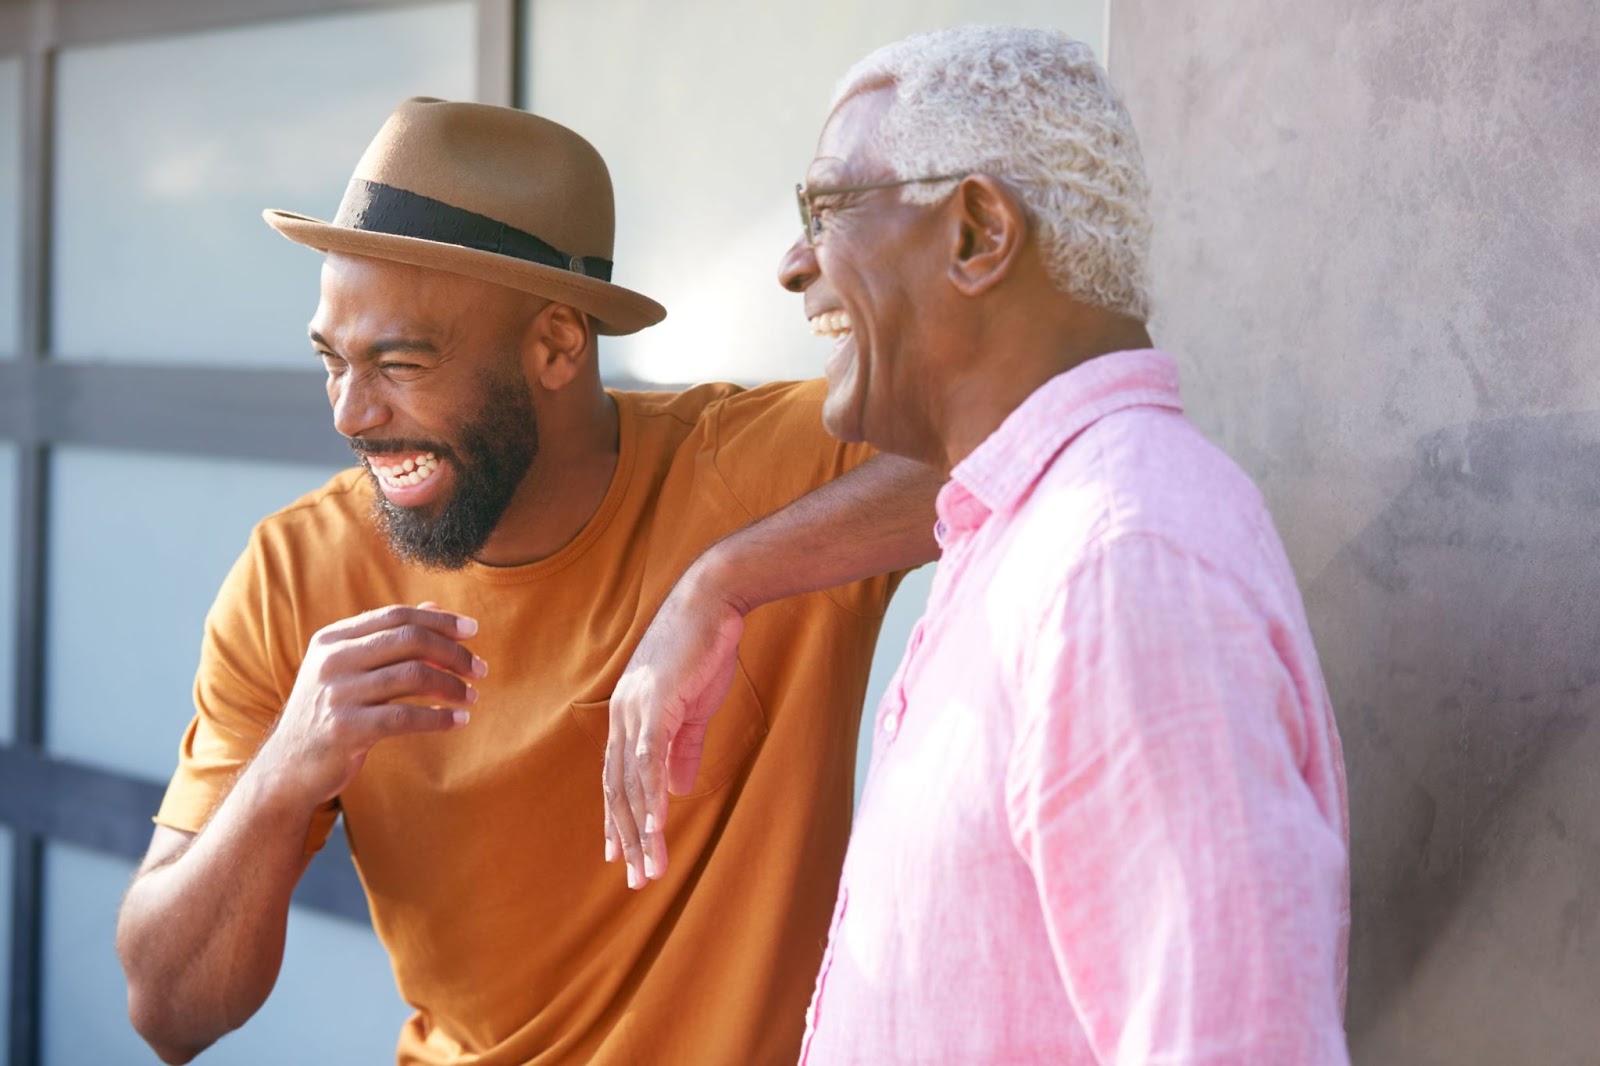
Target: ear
991 232
557 345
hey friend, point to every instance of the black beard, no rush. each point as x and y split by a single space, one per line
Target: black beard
496 449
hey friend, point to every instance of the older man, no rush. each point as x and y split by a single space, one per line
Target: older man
1106 817
539 521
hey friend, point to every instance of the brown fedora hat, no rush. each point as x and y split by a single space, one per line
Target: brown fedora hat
490 192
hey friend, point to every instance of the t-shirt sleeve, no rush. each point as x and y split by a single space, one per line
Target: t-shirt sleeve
771 449
247 670
1191 887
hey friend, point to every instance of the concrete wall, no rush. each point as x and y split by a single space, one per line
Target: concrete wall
1378 260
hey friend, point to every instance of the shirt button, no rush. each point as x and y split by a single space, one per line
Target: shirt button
891 722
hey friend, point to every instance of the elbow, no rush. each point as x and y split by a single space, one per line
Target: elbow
174 1056
161 1027
158 1015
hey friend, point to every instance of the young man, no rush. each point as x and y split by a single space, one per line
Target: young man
427 645
1106 817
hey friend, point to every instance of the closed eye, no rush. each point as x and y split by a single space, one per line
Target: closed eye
821 212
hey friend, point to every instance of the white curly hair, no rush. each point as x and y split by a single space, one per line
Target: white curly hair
1032 108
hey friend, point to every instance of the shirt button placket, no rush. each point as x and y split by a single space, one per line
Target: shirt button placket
891 717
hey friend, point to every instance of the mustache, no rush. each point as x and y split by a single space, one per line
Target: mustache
363 446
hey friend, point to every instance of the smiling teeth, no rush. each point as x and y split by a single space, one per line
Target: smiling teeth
831 324
410 472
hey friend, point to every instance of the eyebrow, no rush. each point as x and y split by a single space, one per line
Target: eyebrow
386 346
822 168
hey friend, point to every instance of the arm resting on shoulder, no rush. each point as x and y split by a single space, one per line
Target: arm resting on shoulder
872 520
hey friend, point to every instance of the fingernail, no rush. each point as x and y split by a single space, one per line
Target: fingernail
459 718
472 694
466 626
649 823
650 867
479 667
633 877
611 850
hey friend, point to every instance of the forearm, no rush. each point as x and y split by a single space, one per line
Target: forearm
877 518
201 934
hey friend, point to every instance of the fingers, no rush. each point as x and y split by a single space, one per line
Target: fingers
392 719
445 623
613 847
620 821
412 680
650 772
402 669
634 792
407 642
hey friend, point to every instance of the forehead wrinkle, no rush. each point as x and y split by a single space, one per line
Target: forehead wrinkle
847 137
370 308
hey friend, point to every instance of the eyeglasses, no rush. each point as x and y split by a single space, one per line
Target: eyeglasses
813 224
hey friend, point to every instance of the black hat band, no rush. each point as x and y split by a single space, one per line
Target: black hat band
378 208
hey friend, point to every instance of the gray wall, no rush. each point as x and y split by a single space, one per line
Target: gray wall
1378 260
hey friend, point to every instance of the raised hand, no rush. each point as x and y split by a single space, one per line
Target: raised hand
390 671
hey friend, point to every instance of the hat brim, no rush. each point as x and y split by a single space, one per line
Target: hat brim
616 310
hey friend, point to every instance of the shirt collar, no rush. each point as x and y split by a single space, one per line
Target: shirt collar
1001 470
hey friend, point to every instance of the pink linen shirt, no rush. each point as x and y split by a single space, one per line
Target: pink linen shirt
1105 821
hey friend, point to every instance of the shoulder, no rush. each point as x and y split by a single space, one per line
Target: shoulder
687 408
723 410
783 418
328 516
765 444
1151 474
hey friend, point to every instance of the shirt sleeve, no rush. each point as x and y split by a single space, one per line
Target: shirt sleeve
771 447
247 670
1191 886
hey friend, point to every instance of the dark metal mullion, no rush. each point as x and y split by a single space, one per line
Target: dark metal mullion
108 811
27 872
27 906
247 414
264 414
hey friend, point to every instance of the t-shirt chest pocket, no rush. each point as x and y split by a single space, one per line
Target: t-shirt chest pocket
734 733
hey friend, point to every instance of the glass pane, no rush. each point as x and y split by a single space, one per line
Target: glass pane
134 566
168 151
8 591
910 600
10 206
5 935
707 114
335 993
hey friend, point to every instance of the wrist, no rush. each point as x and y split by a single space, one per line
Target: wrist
272 788
717 576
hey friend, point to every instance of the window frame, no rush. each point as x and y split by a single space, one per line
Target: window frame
45 403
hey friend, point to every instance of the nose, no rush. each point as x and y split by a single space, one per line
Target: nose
358 406
798 267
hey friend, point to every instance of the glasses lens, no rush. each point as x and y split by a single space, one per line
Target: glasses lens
805 209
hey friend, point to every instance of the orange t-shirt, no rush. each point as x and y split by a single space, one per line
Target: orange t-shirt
482 850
